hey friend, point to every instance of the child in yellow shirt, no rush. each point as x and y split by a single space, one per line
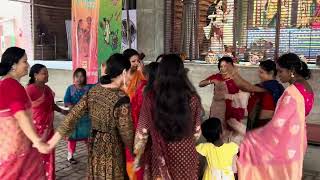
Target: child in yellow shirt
219 155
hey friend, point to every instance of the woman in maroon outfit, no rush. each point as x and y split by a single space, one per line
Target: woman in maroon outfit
170 120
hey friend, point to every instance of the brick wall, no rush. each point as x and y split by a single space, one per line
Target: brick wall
51 22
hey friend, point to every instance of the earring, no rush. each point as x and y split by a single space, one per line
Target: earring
292 75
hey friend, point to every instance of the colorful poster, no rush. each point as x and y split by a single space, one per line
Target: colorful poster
109 31
84 37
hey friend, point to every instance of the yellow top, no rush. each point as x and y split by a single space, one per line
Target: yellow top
219 160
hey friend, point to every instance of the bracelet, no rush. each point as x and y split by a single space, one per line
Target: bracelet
210 81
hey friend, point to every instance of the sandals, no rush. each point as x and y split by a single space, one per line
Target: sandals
72 161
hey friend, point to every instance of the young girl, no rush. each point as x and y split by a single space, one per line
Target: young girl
220 156
71 98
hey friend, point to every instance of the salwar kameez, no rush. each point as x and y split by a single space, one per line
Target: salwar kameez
83 127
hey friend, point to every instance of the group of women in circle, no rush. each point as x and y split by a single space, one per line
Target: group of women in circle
160 124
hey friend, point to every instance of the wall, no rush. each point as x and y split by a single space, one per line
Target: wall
150 27
20 14
52 23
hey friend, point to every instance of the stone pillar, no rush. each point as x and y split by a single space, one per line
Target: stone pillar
189 32
150 27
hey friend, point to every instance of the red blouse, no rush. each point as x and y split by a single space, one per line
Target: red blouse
266 100
13 96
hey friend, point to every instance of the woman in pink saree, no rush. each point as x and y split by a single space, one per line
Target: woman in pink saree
276 150
18 158
43 107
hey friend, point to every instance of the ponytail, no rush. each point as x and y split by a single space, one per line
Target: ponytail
292 62
304 71
35 69
32 80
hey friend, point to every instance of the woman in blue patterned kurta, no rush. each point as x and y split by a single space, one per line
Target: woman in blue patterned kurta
73 95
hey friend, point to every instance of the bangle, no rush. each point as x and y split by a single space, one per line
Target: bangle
209 81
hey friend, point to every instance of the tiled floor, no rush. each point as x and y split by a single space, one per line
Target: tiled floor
66 171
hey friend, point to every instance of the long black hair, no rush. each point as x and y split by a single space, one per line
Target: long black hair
269 66
115 66
151 71
9 58
292 62
172 99
35 69
83 72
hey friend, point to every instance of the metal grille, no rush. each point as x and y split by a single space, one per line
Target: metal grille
253 27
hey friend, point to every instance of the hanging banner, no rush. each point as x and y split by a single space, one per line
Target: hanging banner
109 31
84 37
132 28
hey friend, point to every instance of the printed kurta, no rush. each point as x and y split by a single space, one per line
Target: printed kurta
112 131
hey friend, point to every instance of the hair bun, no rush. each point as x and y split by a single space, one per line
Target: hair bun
4 69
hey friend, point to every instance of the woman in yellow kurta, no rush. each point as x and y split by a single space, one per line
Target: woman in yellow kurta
219 155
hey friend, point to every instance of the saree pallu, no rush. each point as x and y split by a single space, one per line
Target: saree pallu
18 160
136 103
133 83
276 151
228 110
43 116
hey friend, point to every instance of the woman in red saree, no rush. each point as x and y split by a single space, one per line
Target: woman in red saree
221 107
263 96
43 107
276 150
18 159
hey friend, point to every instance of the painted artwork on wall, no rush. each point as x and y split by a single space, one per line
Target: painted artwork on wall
109 31
84 37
